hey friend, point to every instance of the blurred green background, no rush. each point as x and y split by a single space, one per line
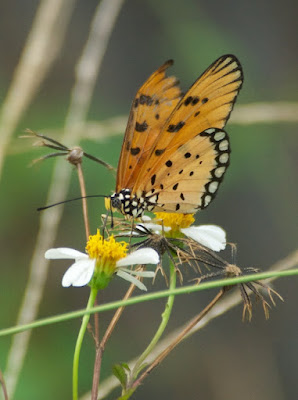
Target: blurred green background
257 204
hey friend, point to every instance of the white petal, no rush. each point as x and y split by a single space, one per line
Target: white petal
141 256
131 279
211 236
145 218
144 274
156 227
130 233
79 273
64 253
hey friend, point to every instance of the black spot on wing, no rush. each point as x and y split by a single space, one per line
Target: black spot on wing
176 128
141 127
146 100
134 151
188 100
159 152
153 177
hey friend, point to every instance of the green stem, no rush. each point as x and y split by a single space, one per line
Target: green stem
164 321
152 296
76 357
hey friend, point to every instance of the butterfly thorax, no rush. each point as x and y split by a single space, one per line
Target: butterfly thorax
132 204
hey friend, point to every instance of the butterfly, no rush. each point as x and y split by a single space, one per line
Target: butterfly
175 152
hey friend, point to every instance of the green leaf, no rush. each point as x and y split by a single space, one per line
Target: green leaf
120 374
126 366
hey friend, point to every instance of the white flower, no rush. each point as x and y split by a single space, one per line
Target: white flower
82 270
211 236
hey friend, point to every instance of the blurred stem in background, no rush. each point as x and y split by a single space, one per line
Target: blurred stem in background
87 71
40 51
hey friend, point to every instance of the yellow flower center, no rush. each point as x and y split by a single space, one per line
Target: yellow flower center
175 221
107 251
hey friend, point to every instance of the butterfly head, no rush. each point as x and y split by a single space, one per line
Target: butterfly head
127 203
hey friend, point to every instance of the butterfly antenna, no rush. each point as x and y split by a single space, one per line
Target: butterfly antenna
68 201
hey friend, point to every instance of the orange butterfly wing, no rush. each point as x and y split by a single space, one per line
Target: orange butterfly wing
152 106
186 163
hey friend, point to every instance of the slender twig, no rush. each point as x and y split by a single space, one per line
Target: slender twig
2 383
178 339
116 318
100 349
87 71
84 200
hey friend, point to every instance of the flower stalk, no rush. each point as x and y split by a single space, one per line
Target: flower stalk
85 320
164 321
